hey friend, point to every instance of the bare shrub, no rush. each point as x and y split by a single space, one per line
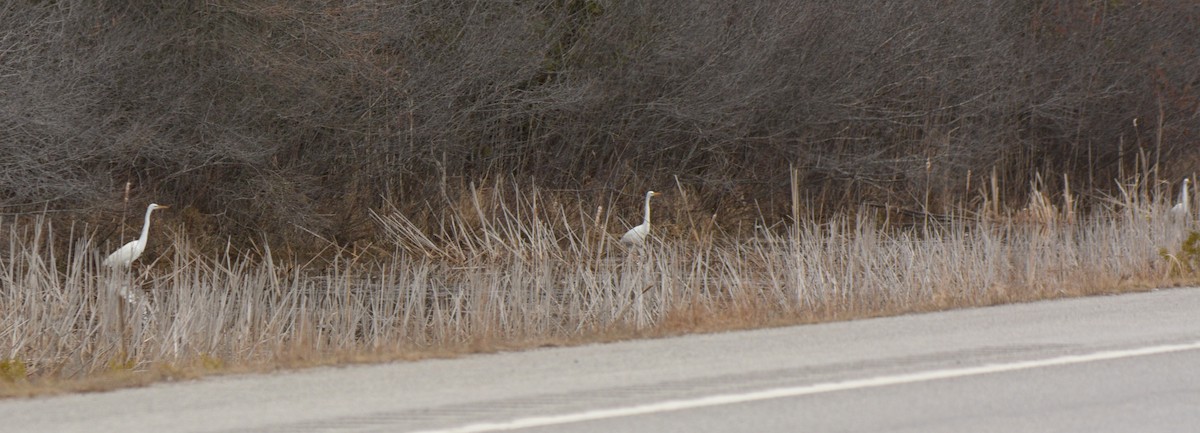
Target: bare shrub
295 118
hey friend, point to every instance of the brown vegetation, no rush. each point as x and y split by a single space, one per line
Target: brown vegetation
293 118
459 170
510 274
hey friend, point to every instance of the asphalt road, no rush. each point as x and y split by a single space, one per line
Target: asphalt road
1103 364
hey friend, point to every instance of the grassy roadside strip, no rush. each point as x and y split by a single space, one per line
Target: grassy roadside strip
499 278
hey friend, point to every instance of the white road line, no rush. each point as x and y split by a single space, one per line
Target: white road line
723 399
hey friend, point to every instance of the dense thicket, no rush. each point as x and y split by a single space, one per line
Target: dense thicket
298 116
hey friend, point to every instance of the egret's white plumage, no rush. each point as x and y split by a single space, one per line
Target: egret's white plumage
638 235
124 256
1184 207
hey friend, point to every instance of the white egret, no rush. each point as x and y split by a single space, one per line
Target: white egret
124 256
1184 207
637 235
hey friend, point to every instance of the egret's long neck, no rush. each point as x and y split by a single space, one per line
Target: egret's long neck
1187 198
647 209
146 226
1184 199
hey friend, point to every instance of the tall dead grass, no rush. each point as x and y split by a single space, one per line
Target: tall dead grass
502 272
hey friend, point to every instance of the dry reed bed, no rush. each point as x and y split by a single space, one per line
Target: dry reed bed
534 272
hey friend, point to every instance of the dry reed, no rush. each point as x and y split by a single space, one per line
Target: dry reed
502 273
